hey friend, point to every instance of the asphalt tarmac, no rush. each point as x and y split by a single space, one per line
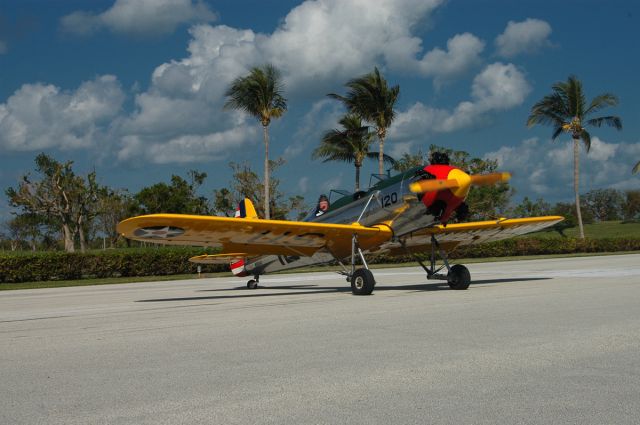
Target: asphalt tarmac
531 342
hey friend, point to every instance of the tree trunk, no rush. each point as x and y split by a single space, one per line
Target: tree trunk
358 177
267 214
83 239
81 235
576 180
381 155
68 238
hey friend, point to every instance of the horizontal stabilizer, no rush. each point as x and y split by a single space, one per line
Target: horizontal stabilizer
217 258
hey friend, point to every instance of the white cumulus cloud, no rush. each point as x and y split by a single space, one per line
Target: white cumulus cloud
545 168
317 44
497 87
463 52
523 37
139 17
39 116
187 148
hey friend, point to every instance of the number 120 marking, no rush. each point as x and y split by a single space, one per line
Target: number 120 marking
387 200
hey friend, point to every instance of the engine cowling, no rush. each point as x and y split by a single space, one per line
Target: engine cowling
443 203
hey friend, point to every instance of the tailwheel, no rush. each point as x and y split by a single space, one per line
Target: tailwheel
459 277
252 284
362 282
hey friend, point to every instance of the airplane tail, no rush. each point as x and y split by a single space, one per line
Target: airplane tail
246 210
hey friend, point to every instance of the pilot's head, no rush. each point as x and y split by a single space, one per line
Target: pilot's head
323 203
439 158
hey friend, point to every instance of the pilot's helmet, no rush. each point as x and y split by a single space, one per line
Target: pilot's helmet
323 197
440 158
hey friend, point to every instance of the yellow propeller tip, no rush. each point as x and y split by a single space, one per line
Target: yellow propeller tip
415 188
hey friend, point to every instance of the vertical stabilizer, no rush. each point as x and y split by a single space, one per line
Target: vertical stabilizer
246 209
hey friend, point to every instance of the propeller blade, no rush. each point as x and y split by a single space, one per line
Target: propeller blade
488 179
423 186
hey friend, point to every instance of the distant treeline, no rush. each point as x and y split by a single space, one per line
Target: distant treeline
55 209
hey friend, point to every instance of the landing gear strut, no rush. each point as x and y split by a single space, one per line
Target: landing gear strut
458 276
362 280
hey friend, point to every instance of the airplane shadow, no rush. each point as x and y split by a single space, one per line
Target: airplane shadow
436 286
264 287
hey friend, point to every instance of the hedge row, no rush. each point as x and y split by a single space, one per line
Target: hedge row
170 261
528 246
101 264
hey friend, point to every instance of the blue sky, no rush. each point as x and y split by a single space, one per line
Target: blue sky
134 88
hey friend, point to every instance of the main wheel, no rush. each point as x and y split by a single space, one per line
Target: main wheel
362 282
459 277
252 284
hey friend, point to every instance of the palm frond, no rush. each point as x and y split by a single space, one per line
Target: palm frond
550 110
575 96
586 139
601 101
337 97
556 132
387 158
611 121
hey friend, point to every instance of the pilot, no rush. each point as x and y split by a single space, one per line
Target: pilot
323 205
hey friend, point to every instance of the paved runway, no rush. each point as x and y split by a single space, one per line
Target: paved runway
542 341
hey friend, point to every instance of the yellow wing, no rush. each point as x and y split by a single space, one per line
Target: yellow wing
252 236
460 234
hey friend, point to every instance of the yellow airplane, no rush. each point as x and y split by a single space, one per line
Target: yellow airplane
404 214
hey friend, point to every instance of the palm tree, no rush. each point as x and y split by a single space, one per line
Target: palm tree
566 110
351 144
259 94
370 97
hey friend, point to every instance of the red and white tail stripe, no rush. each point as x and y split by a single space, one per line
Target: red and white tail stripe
237 268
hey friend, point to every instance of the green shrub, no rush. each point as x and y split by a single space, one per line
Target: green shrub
100 264
528 246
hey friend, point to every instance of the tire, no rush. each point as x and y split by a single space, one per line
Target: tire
462 212
459 277
252 284
437 209
362 282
